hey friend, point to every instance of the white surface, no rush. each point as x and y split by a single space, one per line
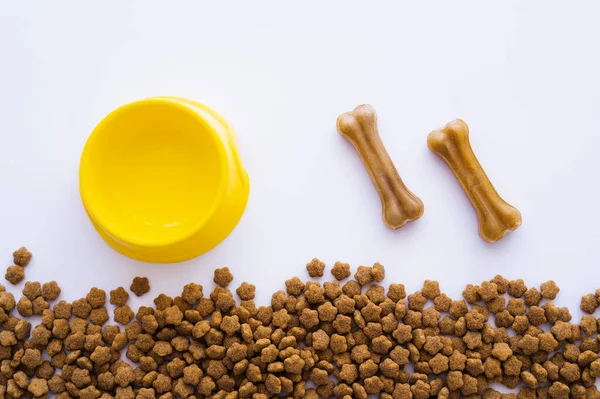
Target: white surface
524 75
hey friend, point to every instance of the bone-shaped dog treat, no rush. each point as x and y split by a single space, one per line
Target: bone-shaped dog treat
399 205
496 216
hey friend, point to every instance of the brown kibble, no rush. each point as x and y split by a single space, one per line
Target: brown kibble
32 290
294 286
517 288
38 387
549 289
194 346
501 351
431 289
340 270
119 297
363 275
570 372
533 297
31 358
471 293
191 293
378 272
516 307
246 291
123 315
501 284
536 316
589 303
458 308
39 304
222 277
529 344
99 316
558 390
96 298
25 307
173 315
50 291
589 325
315 268
14 274
140 286
416 301
333 290
22 257
439 363
488 291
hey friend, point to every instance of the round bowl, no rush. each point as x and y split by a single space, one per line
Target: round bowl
161 179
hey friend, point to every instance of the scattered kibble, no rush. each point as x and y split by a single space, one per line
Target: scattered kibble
51 291
359 333
21 257
223 277
14 274
140 286
119 297
315 268
341 271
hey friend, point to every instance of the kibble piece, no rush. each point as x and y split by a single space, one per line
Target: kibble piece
39 304
533 297
99 316
378 272
549 289
589 303
517 288
222 277
32 290
363 275
340 270
25 307
488 291
22 257
119 297
96 297
431 289
38 387
589 325
14 274
123 315
536 315
50 291
416 301
315 268
140 286
471 294
333 290
558 390
501 351
458 308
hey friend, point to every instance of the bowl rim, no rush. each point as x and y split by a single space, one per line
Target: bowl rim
119 234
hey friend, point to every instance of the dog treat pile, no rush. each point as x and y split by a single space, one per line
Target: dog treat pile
343 340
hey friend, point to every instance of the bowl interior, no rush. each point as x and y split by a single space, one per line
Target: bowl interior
151 172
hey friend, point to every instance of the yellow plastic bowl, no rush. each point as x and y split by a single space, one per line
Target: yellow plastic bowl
161 179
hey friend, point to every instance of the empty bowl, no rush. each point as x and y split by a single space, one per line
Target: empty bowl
161 179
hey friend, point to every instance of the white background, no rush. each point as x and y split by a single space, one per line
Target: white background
524 75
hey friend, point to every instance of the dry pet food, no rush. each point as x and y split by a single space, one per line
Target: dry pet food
496 216
313 341
399 204
14 274
22 256
140 286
